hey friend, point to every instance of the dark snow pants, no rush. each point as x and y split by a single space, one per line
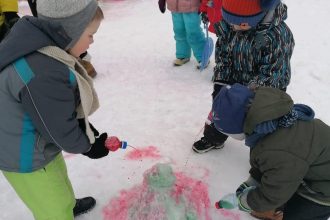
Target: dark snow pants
299 208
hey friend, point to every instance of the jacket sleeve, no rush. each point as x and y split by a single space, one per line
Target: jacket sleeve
282 173
8 5
222 56
50 103
203 6
274 68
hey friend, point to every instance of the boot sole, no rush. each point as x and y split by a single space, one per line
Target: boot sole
208 149
181 64
199 67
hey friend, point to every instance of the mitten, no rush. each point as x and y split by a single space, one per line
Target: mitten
268 215
248 183
242 199
11 18
98 149
242 192
204 18
82 126
162 5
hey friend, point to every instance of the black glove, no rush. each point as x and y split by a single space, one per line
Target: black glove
11 18
204 18
98 149
162 5
82 125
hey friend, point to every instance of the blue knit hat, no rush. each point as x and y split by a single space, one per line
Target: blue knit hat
230 107
246 11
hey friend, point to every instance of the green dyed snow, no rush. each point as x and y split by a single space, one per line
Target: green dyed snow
161 177
191 216
161 180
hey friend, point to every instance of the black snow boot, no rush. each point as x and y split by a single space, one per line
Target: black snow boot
83 206
213 139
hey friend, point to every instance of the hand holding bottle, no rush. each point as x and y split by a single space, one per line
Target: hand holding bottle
231 201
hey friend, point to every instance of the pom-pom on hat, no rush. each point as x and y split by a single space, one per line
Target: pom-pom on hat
73 15
246 11
230 107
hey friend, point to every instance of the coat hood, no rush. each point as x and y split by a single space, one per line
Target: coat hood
28 35
268 104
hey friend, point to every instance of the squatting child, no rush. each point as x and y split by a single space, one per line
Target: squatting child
289 153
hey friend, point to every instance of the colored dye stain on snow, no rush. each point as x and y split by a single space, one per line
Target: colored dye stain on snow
150 152
162 195
229 215
160 176
194 191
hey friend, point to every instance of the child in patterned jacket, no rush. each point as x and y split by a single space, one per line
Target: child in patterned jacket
254 46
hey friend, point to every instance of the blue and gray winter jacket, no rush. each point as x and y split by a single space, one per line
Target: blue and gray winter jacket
258 56
38 99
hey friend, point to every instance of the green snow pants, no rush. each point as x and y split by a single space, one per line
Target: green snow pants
47 192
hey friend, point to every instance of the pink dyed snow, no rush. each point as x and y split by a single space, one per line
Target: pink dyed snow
196 193
119 208
150 152
230 214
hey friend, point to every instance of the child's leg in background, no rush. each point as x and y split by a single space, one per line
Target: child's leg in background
299 208
183 49
210 132
195 35
212 138
47 192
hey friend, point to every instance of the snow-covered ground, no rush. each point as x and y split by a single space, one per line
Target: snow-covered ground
161 109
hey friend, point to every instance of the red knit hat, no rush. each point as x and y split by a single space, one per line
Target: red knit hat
246 11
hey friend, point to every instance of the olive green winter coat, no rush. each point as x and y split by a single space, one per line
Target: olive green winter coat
287 157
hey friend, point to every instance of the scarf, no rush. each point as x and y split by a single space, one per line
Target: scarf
89 100
298 112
